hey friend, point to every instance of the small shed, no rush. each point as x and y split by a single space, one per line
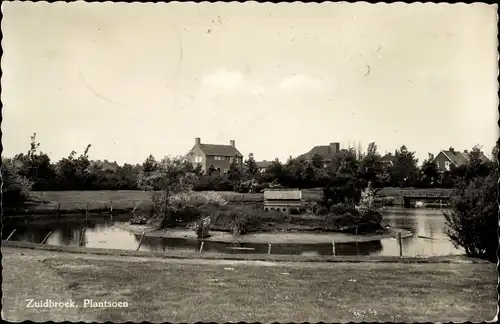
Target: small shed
282 200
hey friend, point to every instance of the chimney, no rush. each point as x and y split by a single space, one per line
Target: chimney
334 147
452 150
465 151
276 159
197 141
231 142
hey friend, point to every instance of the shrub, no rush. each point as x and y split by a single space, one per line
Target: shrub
320 210
243 220
249 186
202 227
473 219
15 188
368 217
185 208
343 209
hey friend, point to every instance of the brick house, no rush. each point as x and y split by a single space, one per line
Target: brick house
216 156
325 151
448 158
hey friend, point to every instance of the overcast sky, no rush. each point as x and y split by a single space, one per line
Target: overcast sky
135 79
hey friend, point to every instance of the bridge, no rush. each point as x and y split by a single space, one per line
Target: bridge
425 194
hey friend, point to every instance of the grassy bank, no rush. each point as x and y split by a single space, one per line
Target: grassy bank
124 200
193 290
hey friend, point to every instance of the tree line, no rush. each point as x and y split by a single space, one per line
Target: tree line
348 170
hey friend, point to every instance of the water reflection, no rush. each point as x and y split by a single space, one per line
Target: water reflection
427 226
179 244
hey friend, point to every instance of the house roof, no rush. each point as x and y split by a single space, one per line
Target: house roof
323 150
222 150
389 157
264 164
459 158
104 165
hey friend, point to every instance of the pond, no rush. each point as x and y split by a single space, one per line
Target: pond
427 226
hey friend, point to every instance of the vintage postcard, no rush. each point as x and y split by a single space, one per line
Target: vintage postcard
249 162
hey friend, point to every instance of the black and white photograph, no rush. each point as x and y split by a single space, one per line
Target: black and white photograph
286 162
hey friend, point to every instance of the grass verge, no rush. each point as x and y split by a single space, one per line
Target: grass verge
181 291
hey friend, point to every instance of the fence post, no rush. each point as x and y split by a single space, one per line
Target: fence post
82 238
140 242
201 247
268 248
58 208
111 207
87 211
46 237
8 237
400 241
333 248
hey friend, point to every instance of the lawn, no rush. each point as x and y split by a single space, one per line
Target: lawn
169 290
128 199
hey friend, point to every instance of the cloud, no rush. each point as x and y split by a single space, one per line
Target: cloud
223 82
299 82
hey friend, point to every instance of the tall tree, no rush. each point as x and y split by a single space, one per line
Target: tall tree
234 174
150 164
169 179
429 173
251 169
473 218
371 166
36 166
405 169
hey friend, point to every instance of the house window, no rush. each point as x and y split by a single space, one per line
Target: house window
447 165
198 159
225 170
437 164
216 157
218 170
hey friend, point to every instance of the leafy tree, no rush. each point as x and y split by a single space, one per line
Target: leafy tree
371 167
150 164
429 173
169 179
234 174
275 173
473 218
477 166
367 213
36 166
15 187
347 162
317 161
344 186
251 169
128 176
404 172
73 173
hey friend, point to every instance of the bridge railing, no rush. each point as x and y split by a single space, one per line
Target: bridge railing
421 194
